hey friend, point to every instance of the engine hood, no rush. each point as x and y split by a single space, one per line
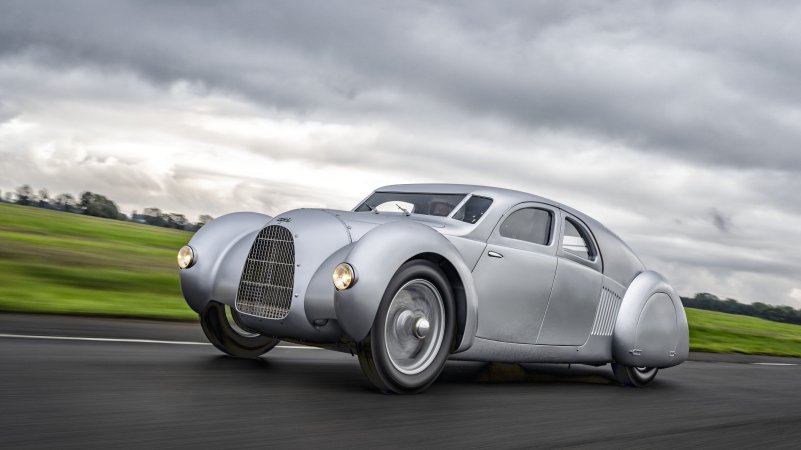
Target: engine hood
358 224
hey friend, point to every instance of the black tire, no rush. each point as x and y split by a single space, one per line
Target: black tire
227 339
634 376
388 373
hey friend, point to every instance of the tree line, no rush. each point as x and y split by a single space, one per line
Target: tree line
776 313
98 205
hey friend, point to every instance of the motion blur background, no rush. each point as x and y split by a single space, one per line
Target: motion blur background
126 125
677 124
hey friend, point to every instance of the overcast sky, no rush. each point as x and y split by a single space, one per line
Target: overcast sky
677 124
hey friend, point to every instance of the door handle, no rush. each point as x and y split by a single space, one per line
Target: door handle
492 254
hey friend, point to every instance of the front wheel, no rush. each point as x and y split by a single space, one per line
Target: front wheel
634 376
226 332
413 331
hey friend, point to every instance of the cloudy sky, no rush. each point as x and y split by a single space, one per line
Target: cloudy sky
677 124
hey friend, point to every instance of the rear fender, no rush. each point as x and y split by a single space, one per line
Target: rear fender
651 328
377 256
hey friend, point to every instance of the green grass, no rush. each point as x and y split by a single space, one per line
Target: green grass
53 262
718 332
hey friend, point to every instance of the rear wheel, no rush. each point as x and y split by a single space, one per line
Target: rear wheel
223 328
413 331
634 376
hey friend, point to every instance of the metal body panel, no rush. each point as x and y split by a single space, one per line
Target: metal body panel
595 351
651 328
219 246
317 234
572 306
515 277
470 250
377 256
514 293
319 299
533 302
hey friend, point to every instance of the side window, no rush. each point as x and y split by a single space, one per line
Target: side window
528 224
576 242
473 209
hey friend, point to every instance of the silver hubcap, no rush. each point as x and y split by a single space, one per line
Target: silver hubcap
414 326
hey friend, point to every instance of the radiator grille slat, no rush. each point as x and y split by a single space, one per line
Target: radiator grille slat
265 289
606 314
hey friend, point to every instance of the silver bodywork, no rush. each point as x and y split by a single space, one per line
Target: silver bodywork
515 301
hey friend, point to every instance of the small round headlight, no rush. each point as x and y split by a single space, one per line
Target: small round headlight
344 276
186 257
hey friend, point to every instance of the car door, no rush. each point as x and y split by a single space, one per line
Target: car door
514 275
577 286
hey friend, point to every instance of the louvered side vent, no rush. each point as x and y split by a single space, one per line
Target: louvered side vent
265 289
606 315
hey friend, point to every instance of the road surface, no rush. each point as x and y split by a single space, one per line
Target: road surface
116 384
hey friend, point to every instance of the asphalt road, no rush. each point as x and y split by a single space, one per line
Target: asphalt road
116 394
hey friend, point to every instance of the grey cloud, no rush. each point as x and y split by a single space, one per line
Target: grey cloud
624 72
721 221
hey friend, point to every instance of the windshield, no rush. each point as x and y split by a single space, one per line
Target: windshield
412 203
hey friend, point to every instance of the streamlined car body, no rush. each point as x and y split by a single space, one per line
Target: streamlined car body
418 274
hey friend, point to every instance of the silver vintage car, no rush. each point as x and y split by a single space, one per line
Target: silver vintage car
417 274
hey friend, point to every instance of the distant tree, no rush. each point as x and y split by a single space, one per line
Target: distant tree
152 212
24 195
10 197
178 220
153 216
86 199
99 206
203 219
44 198
66 202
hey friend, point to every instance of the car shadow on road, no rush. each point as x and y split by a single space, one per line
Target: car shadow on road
346 374
499 373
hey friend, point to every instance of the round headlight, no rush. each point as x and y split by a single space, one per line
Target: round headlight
344 276
186 257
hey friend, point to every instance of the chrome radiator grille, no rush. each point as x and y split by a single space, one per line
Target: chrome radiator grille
265 289
606 316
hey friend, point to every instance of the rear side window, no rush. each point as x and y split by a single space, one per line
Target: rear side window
576 242
473 209
528 224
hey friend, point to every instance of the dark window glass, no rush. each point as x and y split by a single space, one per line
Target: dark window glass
528 224
576 242
473 209
414 203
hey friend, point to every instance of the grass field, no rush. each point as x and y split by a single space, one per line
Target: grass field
712 331
53 262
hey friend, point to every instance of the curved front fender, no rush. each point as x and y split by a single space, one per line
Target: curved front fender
377 256
221 248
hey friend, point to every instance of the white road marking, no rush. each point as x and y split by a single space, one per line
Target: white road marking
772 364
137 341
